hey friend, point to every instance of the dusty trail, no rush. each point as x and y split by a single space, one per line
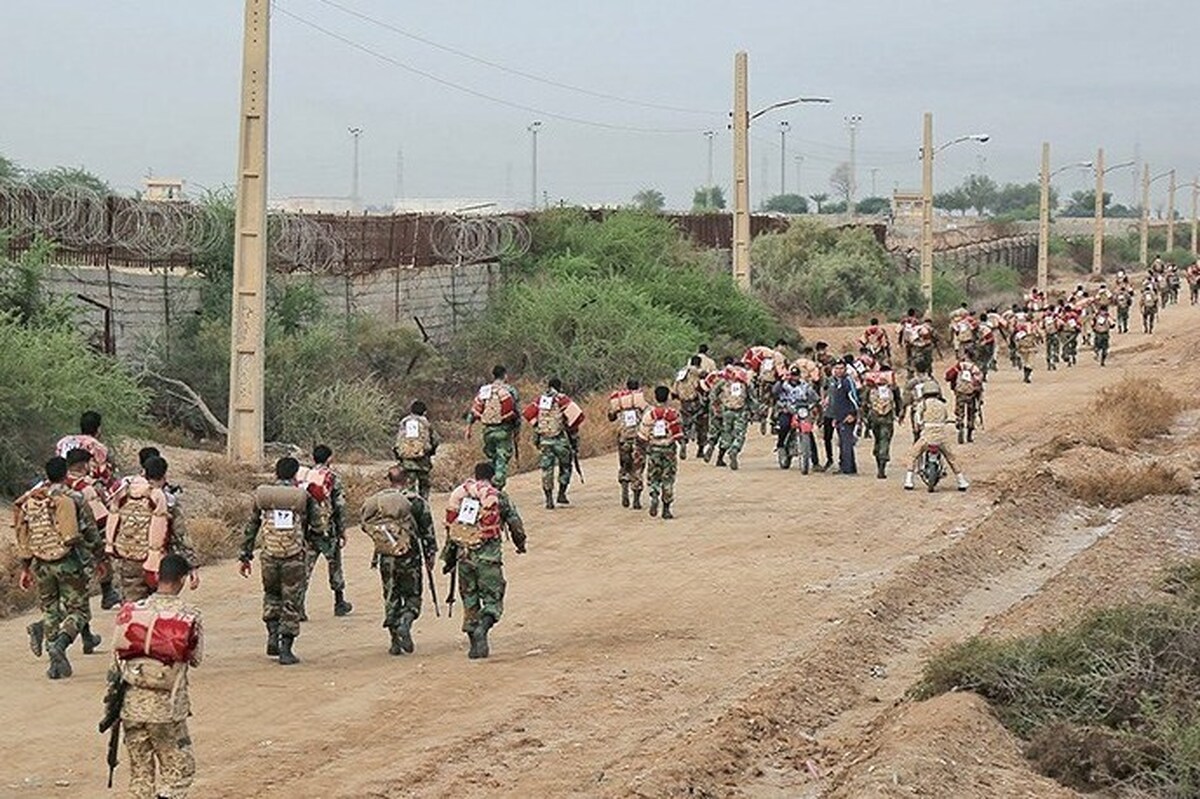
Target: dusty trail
624 636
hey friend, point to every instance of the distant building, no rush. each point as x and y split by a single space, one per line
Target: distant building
454 205
314 205
163 190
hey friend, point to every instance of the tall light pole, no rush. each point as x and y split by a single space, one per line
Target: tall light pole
1144 248
927 153
533 128
709 134
1171 213
1043 263
783 129
1098 223
741 164
247 345
799 159
354 196
852 123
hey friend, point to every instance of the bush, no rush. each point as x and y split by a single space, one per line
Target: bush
356 414
50 378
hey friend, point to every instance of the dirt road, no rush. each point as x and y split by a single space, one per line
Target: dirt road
626 641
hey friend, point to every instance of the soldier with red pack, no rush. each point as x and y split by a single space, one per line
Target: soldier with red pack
101 467
625 407
556 419
325 487
138 530
495 406
881 410
477 514
659 432
732 387
875 341
966 381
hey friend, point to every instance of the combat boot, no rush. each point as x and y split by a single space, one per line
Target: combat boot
908 481
637 500
653 505
479 641
961 435
60 667
667 511
37 632
683 450
273 639
549 499
733 461
286 656
109 596
963 485
340 606
562 497
970 435
403 632
1028 372
624 495
881 471
700 452
90 640
721 457
397 648
705 453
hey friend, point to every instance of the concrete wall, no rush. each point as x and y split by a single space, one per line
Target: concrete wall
144 304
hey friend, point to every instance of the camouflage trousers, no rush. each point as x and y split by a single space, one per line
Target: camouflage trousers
1100 346
631 462
63 595
166 745
402 584
1122 320
498 450
555 452
922 360
1052 350
966 410
733 429
881 433
1070 347
284 581
694 416
418 477
333 563
481 582
661 465
131 579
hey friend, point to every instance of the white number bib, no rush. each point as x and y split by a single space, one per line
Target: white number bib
883 392
283 520
485 392
630 418
735 389
682 374
412 429
768 364
660 428
545 402
468 511
802 413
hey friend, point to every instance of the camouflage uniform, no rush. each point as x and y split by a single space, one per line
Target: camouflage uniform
631 459
1124 301
659 432
481 582
330 545
62 584
284 578
882 409
155 723
693 408
419 469
1101 328
135 559
733 419
498 446
399 512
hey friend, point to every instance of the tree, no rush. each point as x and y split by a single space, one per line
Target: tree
708 198
60 176
649 200
980 192
1021 200
842 182
1083 203
953 200
787 204
818 199
872 205
838 207
10 171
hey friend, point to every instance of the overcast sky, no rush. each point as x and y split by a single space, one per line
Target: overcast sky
123 86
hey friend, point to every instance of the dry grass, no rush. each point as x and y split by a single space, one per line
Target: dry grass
12 599
1120 485
219 472
215 539
1128 412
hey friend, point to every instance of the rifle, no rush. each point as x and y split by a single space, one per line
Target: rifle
575 457
979 412
429 576
114 698
450 595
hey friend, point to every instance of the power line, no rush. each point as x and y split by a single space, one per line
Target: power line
513 71
474 92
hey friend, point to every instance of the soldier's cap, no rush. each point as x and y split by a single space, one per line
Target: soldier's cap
794 371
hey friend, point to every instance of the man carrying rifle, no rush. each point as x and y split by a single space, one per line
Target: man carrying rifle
399 523
157 640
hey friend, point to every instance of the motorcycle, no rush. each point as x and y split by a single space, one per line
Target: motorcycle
931 466
799 441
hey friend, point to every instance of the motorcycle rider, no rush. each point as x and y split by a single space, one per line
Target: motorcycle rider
933 419
792 395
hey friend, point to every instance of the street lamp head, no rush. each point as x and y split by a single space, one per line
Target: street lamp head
535 124
979 137
784 125
354 131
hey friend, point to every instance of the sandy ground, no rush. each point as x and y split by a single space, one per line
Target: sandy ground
635 654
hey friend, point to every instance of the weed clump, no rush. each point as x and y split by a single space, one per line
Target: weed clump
1111 700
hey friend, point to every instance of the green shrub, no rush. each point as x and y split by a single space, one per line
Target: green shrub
50 378
358 414
1118 688
1000 278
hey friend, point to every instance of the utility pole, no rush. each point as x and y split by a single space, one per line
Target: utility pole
1171 212
354 195
1195 198
852 123
709 134
533 189
246 362
1144 228
799 164
763 171
1043 250
741 173
783 129
927 214
1098 223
